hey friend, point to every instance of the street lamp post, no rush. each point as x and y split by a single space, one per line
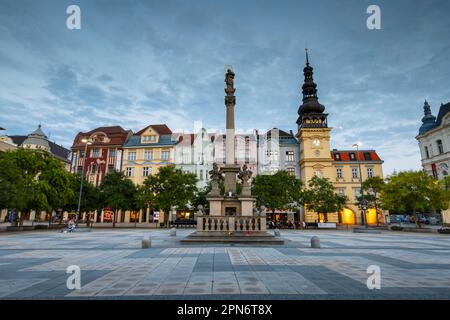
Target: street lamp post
86 142
363 201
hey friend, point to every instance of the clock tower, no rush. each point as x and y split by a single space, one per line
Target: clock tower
313 134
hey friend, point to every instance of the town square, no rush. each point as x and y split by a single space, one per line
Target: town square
239 151
113 265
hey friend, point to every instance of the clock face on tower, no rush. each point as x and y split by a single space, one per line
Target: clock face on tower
316 142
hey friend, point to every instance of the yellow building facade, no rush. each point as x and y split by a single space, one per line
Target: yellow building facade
342 167
144 153
148 150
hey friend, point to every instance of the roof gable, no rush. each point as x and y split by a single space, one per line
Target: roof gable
159 128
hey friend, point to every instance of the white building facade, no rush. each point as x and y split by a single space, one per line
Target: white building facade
434 144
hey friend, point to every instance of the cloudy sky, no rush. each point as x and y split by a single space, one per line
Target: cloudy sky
134 63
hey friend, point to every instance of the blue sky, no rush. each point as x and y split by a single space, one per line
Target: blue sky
134 63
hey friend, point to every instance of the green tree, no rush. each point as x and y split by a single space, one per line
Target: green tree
200 197
33 180
117 192
170 187
321 197
413 191
372 188
90 197
278 191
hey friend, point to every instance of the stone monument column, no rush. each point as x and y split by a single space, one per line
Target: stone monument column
230 169
230 102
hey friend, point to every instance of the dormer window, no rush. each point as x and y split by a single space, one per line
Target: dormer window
352 156
149 139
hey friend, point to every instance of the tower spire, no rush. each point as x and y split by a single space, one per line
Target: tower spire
311 111
428 120
307 59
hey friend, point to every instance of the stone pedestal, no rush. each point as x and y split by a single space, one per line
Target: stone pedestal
230 171
247 205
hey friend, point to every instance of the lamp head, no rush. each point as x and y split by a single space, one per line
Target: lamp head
87 141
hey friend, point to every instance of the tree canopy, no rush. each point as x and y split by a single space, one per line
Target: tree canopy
412 192
278 191
321 197
168 188
33 180
117 192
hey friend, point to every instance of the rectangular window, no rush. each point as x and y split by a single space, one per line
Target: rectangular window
146 171
357 192
81 154
131 155
290 156
165 155
427 154
440 147
148 155
112 152
272 155
341 192
201 174
355 173
339 173
291 171
369 172
352 156
337 156
95 153
129 172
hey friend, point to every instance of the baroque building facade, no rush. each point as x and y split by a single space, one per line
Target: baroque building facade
434 141
341 167
37 140
147 150
434 145
104 152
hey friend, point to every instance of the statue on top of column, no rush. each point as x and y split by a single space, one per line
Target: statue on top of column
230 99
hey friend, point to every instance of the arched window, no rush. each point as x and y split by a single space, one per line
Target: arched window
440 147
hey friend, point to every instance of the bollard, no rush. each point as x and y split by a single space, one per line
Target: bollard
276 232
315 242
173 232
146 243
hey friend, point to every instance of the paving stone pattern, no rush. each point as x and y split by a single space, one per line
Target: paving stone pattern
113 265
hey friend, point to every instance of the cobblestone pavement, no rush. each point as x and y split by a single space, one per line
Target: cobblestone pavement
113 266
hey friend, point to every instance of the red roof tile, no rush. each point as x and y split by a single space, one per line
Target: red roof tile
361 155
116 136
